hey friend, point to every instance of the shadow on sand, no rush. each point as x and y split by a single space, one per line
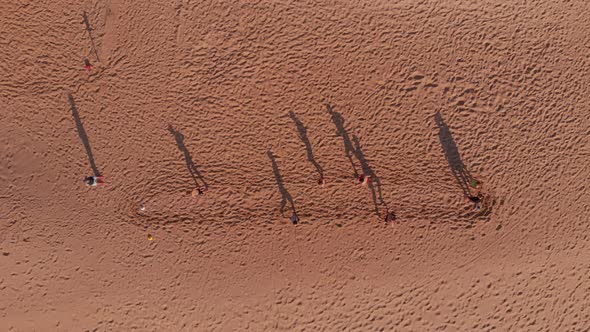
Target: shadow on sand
89 30
82 134
461 174
375 183
353 148
305 139
285 196
341 131
196 175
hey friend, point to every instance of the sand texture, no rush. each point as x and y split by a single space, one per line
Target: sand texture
254 102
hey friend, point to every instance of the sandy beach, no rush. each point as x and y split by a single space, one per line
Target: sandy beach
232 135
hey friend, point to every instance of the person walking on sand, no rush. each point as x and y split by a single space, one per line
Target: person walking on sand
87 65
199 191
476 200
294 219
389 216
364 179
94 181
321 181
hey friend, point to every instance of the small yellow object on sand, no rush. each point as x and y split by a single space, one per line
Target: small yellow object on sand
150 237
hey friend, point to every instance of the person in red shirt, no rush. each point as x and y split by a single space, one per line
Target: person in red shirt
87 65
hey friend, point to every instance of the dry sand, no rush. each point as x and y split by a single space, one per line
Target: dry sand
215 81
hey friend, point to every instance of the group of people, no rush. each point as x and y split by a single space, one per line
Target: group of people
476 198
389 216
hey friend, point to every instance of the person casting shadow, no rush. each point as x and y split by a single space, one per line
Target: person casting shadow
285 195
83 135
375 183
341 131
305 139
196 175
460 172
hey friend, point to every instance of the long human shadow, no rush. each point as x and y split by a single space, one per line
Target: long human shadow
89 30
375 182
341 131
285 196
460 172
190 165
83 135
305 139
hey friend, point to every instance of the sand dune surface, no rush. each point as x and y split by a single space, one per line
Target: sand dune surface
255 102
